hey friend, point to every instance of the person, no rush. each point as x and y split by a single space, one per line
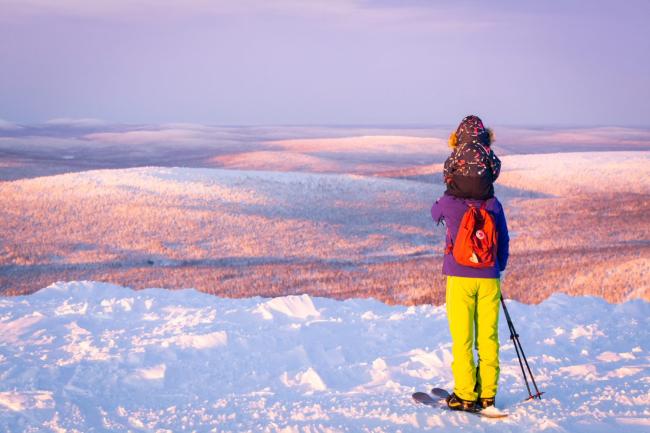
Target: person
473 301
473 167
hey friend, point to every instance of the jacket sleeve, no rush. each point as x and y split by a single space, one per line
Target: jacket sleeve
503 241
436 211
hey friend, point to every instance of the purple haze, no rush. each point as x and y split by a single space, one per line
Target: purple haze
332 62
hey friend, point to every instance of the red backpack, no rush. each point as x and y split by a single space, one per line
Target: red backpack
476 240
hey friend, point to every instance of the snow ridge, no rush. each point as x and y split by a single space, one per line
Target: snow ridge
87 356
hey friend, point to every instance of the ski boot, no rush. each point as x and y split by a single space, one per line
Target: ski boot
484 402
456 403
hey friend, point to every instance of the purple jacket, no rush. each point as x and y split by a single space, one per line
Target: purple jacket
450 209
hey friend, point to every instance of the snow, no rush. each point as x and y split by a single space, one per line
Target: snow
93 357
19 401
385 144
276 160
172 227
563 174
260 216
297 307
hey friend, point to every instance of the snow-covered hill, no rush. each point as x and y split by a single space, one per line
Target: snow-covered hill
94 357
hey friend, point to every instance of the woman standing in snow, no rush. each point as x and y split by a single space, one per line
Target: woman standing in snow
473 297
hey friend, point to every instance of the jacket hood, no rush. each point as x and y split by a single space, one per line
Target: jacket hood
471 129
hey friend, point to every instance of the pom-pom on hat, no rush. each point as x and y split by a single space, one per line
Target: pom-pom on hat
471 128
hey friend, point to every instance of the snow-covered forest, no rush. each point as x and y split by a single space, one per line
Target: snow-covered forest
342 225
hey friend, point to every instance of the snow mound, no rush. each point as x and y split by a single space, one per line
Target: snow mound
306 381
295 307
202 341
86 356
156 372
19 401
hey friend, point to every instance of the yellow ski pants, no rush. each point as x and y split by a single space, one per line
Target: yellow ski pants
473 315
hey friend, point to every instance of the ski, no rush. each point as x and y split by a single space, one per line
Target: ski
424 398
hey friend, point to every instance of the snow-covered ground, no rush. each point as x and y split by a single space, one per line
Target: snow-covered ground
94 357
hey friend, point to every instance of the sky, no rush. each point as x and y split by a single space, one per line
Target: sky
330 62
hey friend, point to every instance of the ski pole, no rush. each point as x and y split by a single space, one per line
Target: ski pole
515 338
530 373
517 344
518 348
520 354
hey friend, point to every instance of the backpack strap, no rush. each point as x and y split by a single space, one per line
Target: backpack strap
485 203
449 247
